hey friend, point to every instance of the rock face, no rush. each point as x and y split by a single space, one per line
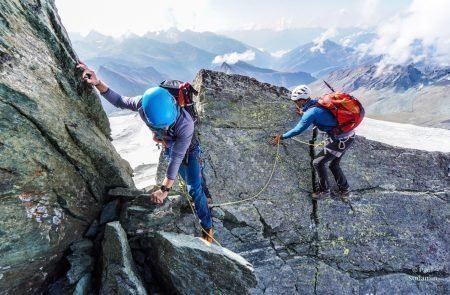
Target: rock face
189 265
119 275
392 234
56 161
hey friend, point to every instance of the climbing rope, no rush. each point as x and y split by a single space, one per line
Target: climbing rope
323 142
266 185
277 158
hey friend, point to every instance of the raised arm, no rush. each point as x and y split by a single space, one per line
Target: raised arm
123 102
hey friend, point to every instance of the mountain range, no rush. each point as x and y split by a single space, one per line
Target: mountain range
279 39
285 79
321 58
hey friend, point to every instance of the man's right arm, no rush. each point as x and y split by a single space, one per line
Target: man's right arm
306 121
119 101
123 102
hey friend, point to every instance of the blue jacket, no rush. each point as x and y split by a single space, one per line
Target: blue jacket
316 115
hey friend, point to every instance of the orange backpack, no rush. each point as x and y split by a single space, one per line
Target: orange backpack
347 110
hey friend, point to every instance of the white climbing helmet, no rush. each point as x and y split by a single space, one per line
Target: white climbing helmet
301 92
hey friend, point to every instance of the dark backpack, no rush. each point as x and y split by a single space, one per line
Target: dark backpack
347 110
183 93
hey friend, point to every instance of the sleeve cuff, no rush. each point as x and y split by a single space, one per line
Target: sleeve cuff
170 177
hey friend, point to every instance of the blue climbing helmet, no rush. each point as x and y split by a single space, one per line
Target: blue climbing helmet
160 107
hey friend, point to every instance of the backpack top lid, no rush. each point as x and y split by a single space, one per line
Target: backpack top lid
173 86
183 93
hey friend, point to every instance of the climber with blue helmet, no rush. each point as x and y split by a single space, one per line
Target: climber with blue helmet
173 127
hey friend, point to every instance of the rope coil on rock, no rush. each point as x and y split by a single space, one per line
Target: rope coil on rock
277 157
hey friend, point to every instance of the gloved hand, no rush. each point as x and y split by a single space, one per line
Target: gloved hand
276 139
88 74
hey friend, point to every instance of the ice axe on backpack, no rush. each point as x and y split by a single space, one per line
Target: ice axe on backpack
328 85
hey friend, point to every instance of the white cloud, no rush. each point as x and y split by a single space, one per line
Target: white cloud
422 32
279 53
234 57
318 42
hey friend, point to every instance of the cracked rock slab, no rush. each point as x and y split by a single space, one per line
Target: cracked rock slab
119 274
385 232
189 265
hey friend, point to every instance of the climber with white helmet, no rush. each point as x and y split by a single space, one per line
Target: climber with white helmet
173 127
315 114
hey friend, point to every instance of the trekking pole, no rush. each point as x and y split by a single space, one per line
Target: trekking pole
328 85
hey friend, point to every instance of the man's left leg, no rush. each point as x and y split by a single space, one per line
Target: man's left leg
341 180
319 164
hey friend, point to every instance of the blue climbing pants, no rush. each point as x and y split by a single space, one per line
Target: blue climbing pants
191 173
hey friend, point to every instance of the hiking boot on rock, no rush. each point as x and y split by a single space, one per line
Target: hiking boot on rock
207 235
320 195
341 193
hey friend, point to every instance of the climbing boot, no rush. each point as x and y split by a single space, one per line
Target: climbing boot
320 195
343 194
207 235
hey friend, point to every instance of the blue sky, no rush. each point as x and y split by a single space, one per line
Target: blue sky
116 17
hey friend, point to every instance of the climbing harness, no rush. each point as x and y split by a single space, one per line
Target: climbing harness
323 142
342 142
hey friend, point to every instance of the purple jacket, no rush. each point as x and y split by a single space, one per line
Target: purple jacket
179 141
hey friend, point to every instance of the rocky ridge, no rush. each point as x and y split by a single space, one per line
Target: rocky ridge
57 162
391 235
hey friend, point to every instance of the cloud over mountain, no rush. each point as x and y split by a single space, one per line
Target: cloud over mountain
423 32
234 57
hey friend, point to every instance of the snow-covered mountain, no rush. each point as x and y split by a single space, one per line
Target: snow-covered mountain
321 58
211 42
266 75
276 39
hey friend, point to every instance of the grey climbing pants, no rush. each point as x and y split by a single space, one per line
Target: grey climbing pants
332 153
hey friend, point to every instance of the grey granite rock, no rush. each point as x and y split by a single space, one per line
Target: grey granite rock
124 193
189 265
81 260
110 212
394 221
84 285
119 274
56 158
